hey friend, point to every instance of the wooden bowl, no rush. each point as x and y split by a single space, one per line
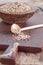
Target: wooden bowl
16 18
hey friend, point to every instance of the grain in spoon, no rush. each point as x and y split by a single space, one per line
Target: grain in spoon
16 28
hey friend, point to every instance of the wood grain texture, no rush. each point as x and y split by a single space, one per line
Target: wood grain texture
36 39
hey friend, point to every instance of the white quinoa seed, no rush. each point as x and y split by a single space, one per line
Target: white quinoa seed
15 7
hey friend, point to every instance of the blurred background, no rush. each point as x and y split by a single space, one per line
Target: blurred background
35 2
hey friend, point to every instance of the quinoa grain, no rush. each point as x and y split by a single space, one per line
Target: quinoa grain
15 7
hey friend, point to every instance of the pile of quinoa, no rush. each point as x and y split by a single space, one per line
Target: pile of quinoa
15 8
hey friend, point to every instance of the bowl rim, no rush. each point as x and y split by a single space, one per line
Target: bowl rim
18 13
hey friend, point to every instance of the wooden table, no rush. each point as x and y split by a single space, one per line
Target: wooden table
36 38
36 35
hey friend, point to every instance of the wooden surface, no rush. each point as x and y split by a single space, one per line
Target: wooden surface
36 39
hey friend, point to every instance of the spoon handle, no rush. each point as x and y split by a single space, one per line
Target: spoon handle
31 27
12 50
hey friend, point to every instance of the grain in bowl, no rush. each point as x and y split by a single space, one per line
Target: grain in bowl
15 7
16 12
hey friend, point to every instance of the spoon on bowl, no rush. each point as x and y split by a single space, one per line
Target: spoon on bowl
16 28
